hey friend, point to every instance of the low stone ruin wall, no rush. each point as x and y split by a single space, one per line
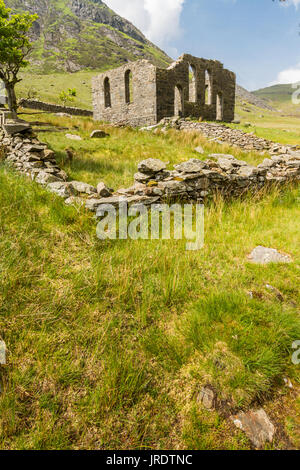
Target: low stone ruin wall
223 134
54 108
198 181
25 153
191 181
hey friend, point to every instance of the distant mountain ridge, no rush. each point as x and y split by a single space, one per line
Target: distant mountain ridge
71 35
245 95
276 93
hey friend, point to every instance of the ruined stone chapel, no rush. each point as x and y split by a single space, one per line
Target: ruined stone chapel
141 94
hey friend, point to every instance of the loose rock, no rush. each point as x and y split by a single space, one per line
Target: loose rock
83 187
2 353
103 190
257 427
73 137
208 397
262 255
98 134
151 166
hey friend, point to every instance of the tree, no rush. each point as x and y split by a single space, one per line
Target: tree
15 47
69 95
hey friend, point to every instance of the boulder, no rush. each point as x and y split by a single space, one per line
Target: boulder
73 137
2 353
247 171
262 255
48 154
267 163
142 178
103 190
208 397
225 163
200 150
93 204
191 166
151 166
62 189
45 178
85 188
257 427
98 134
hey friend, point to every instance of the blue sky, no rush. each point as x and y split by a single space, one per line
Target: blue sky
258 39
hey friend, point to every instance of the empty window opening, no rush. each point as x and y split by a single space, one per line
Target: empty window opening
208 87
107 97
219 107
178 106
128 87
192 84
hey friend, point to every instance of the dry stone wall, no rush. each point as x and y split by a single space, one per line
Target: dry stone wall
222 134
54 108
191 181
198 181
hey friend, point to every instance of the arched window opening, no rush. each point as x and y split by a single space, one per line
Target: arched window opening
178 104
192 84
220 107
128 87
208 87
107 96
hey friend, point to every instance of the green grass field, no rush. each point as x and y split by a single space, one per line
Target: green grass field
276 93
48 87
110 342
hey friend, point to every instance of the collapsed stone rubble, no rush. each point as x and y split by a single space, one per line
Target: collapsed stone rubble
222 134
193 180
198 180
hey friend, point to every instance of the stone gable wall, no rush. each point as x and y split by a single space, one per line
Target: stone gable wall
142 109
223 81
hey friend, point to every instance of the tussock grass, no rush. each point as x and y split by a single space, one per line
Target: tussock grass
110 342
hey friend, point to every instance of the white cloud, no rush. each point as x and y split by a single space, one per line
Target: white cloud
291 75
288 3
159 20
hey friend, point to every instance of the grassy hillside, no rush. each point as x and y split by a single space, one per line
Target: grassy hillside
110 342
48 87
71 36
276 93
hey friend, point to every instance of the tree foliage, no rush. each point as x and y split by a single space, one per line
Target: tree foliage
15 47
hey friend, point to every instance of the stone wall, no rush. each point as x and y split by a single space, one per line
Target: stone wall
140 108
222 134
189 87
198 181
188 74
54 108
191 181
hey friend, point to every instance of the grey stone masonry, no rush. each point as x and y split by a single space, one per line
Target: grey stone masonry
54 108
140 94
190 181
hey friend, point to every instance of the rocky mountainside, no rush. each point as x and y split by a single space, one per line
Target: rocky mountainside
71 35
245 95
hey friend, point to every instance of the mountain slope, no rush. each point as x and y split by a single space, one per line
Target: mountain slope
277 93
257 100
72 35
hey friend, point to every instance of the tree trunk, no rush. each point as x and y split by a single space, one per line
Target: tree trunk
12 99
